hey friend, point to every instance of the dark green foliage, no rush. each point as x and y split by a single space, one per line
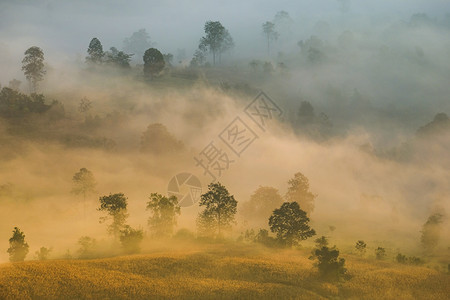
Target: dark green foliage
16 105
153 62
131 239
217 39
219 210
164 212
330 266
380 253
298 191
88 247
412 260
360 247
95 51
43 253
33 66
117 58
290 223
158 140
18 248
263 237
321 242
115 205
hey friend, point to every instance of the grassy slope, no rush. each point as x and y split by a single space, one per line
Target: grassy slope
215 273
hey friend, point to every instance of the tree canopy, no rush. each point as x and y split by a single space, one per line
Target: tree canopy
33 66
217 39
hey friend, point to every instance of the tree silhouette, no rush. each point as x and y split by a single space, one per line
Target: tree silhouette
83 184
131 239
33 66
219 212
270 34
298 191
261 204
290 224
95 51
115 205
217 39
164 212
18 248
153 62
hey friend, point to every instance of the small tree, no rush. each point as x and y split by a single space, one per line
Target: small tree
219 212
115 205
330 266
360 247
217 39
270 34
131 239
290 223
18 248
95 51
83 184
33 66
43 253
380 253
298 191
164 212
153 62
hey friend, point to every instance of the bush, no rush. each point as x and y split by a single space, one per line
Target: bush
330 266
131 239
43 253
380 253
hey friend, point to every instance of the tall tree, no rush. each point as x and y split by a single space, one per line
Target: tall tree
115 205
217 39
290 224
261 204
153 62
18 248
298 191
137 43
164 214
95 51
219 212
270 33
33 66
83 184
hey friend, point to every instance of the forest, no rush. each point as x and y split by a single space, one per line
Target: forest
277 151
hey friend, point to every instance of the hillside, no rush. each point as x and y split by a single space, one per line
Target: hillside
216 272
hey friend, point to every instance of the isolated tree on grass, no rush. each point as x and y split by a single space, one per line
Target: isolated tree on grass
153 62
131 239
216 40
219 210
164 214
115 205
330 266
95 51
290 224
83 184
261 204
33 66
18 248
298 191
270 33
360 247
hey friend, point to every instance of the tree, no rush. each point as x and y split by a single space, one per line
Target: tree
87 248
330 266
33 66
217 39
18 248
431 232
158 140
219 212
360 247
380 253
270 34
168 59
298 191
131 239
118 58
43 253
83 184
137 43
153 62
321 242
95 51
290 223
262 203
115 205
164 212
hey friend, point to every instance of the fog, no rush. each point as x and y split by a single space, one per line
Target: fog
379 77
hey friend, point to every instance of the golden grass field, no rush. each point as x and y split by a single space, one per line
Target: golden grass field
216 272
